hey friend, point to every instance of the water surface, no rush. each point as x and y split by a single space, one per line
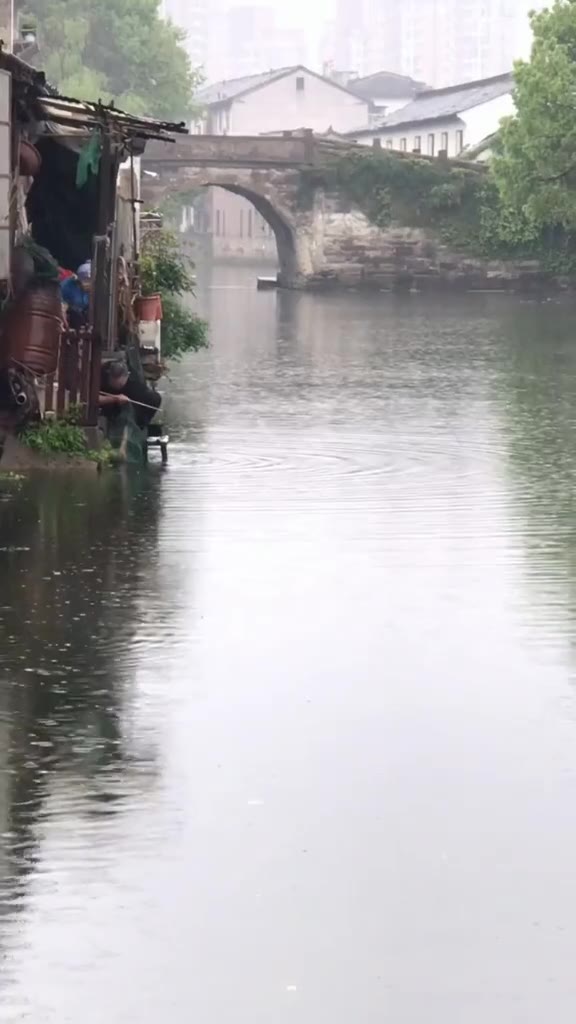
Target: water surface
288 731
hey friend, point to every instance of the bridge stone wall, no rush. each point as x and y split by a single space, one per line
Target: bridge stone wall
322 240
350 251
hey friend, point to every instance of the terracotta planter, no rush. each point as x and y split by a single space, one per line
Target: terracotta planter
148 307
29 159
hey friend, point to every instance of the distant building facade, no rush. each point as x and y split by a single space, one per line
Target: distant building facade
440 42
193 17
451 120
288 99
245 40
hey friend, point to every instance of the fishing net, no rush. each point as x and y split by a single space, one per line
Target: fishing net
125 436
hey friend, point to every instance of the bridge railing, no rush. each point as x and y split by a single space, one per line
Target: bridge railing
234 150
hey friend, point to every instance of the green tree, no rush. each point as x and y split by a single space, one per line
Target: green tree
121 50
166 271
535 163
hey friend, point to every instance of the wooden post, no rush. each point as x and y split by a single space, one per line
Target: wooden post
86 347
49 393
62 361
73 368
309 146
94 382
99 298
99 306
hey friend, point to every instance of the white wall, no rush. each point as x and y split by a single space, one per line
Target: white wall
394 138
282 106
484 120
475 124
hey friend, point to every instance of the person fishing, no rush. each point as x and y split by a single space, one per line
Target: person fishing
119 391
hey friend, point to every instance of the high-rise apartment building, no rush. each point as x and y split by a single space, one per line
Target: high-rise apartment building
441 42
250 39
193 17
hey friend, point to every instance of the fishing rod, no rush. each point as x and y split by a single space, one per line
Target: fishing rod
110 394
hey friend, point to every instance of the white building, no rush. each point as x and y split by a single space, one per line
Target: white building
448 120
288 99
282 100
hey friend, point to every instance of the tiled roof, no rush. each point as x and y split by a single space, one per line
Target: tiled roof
232 87
434 104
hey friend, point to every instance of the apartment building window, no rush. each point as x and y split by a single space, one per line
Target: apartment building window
459 141
417 143
300 83
431 144
403 145
444 141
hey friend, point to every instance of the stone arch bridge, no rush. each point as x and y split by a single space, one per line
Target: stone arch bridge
322 238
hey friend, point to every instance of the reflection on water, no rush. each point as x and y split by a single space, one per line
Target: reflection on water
288 731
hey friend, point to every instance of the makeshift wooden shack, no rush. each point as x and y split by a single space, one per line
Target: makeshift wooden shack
69 193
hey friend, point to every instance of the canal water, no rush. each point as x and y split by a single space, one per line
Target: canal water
288 731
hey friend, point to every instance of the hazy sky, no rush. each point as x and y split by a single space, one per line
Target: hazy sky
316 13
298 12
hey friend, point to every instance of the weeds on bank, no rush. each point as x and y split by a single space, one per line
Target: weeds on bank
55 437
65 437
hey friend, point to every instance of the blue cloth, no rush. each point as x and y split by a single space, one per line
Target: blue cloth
74 295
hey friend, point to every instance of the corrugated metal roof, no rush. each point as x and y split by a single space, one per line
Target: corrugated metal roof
439 103
232 87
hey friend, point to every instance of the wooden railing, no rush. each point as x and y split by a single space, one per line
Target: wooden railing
76 382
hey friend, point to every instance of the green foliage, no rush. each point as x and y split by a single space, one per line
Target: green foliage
411 191
173 204
464 207
121 50
163 267
182 331
55 437
535 162
105 456
164 270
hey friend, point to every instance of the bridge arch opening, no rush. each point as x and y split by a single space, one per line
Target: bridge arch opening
282 229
